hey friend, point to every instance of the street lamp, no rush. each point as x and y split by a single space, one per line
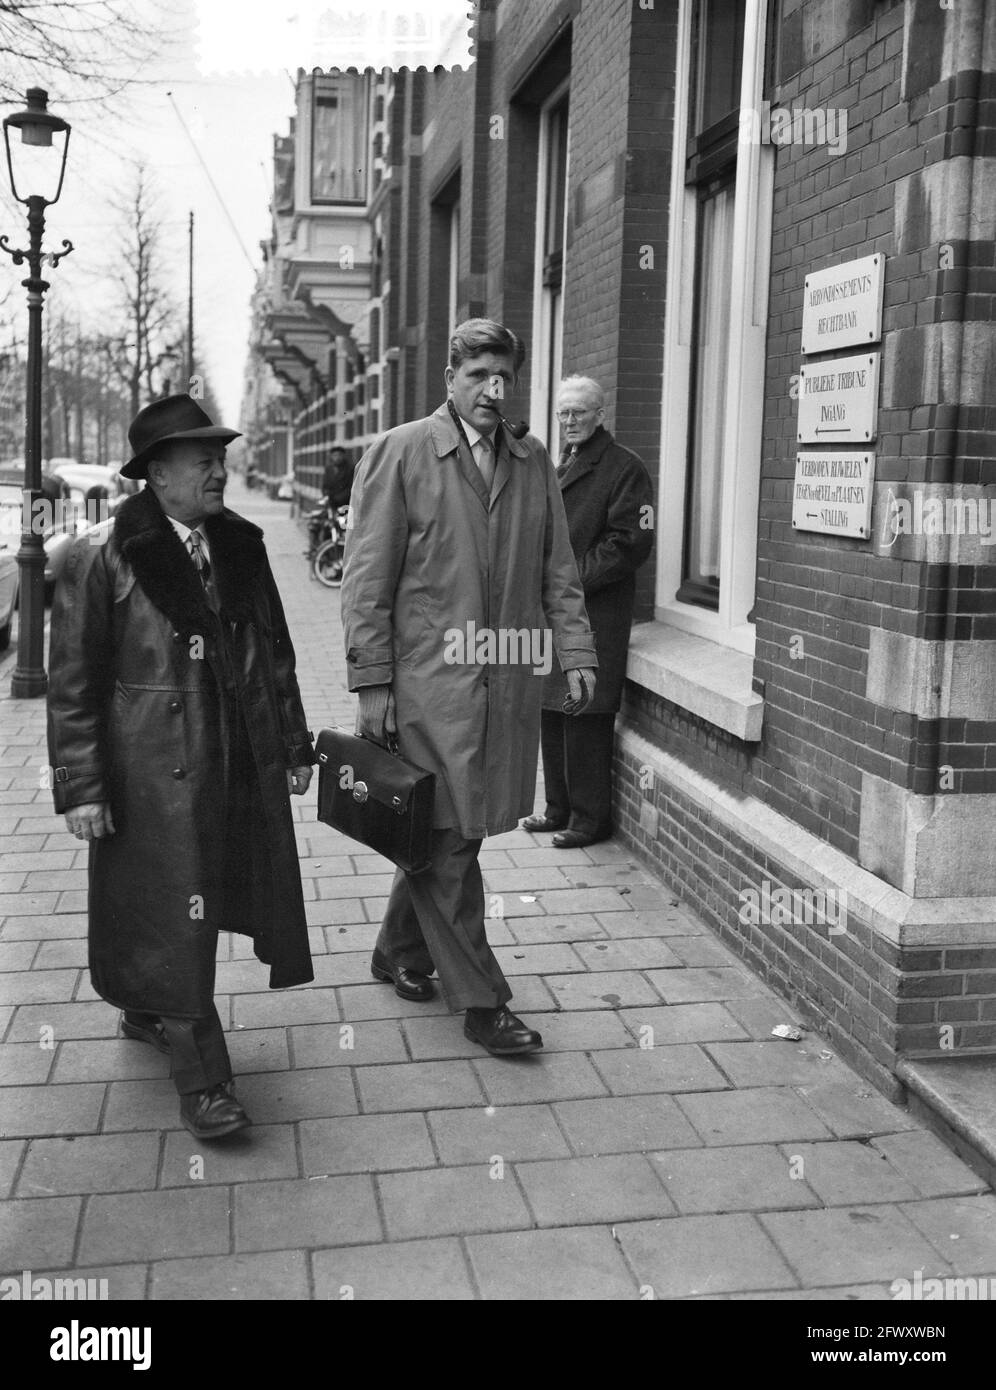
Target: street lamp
40 168
168 362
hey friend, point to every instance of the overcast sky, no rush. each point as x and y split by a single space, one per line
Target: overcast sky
230 66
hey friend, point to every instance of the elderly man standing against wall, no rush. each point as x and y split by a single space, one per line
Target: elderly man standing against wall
608 497
176 732
458 533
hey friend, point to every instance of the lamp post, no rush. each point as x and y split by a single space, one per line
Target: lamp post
37 174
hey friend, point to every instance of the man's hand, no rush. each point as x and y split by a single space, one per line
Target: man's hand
376 718
581 690
298 780
91 821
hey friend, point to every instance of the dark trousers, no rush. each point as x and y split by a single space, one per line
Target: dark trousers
577 770
198 1052
436 919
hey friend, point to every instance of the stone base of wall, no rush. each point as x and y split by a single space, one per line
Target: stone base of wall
882 974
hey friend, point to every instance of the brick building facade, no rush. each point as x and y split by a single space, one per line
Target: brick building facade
807 747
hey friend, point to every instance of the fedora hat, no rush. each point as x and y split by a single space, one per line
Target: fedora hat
173 417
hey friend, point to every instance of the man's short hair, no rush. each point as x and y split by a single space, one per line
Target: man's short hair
474 336
589 386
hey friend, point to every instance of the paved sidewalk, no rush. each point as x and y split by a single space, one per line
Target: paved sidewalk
663 1144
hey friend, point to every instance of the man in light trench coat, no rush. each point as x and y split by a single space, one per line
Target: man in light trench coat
460 585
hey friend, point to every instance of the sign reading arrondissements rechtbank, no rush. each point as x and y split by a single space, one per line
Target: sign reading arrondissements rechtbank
838 400
842 306
832 493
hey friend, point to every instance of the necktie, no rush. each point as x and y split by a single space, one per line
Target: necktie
486 460
567 458
200 560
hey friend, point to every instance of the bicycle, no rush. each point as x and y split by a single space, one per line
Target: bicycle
327 559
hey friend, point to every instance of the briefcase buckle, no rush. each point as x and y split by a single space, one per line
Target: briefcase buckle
360 791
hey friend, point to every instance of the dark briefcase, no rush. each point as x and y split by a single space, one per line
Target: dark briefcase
376 797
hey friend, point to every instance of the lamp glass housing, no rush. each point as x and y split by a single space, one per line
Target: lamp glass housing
36 163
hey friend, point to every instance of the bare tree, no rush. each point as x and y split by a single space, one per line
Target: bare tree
151 319
97 47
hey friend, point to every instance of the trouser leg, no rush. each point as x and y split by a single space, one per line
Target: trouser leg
199 1053
447 901
558 805
588 740
400 938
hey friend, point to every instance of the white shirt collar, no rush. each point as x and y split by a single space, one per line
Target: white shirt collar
474 436
184 532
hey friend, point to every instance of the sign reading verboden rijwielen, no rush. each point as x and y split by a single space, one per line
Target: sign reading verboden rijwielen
838 400
843 306
833 493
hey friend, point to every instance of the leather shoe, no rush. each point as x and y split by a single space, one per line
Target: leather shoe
500 1032
213 1113
407 984
542 823
146 1029
577 839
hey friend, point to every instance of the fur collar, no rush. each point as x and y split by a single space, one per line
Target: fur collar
162 566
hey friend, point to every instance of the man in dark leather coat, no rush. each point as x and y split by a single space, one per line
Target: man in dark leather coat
176 732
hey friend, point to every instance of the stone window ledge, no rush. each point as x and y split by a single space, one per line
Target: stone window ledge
697 675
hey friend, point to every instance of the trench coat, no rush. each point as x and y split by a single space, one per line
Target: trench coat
605 491
137 718
432 560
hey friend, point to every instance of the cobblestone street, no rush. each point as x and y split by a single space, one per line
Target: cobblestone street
662 1145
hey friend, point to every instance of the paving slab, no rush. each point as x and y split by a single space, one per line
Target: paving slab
11 1153
845 1173
579 926
759 1116
306 1214
25 1064
511 1132
627 954
417 1086
366 1144
688 1255
657 1026
424 1270
589 1191
154 1226
609 989
258 1154
961 1229
930 1165
582 1263
39 1232
452 1201
282 1274
41 1110
854 1109
348 1044
852 1245
283 1097
625 1124
538 1077
743 1177
90 1163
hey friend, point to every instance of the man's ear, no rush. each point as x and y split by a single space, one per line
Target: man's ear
448 376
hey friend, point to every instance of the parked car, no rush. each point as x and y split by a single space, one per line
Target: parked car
58 532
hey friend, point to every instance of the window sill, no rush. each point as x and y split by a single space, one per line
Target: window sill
709 680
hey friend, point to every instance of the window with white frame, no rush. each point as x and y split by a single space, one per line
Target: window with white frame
454 265
718 259
548 285
339 155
